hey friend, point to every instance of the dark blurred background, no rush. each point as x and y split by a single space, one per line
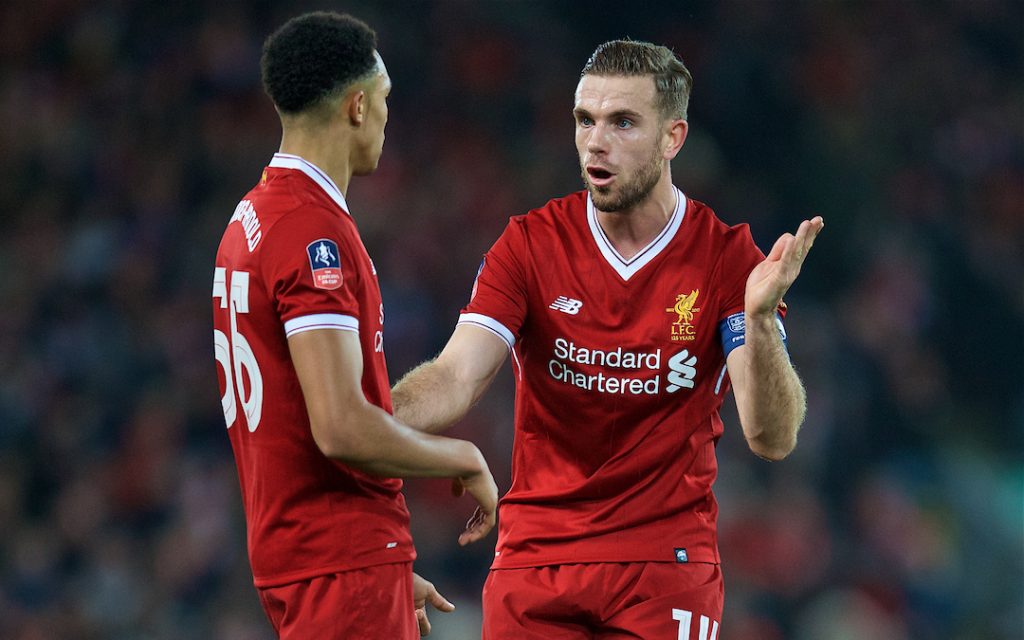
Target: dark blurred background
129 130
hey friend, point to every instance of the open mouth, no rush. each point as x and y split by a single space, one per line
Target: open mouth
599 176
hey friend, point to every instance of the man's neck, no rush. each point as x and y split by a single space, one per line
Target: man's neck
632 229
321 150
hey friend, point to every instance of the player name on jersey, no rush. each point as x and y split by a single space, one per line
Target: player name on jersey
245 213
681 369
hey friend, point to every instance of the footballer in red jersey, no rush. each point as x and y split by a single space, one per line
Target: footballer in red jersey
629 310
298 334
292 261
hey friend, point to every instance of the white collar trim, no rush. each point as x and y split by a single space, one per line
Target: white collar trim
626 268
315 173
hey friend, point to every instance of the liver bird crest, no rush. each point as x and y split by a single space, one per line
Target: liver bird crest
684 306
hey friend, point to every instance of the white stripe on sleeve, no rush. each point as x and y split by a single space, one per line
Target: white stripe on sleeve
320 321
490 324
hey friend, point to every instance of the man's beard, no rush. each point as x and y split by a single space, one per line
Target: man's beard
631 193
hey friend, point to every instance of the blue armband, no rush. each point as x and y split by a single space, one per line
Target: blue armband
733 332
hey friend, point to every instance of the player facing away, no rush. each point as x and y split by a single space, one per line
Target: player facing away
622 305
298 329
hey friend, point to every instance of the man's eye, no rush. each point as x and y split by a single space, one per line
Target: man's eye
625 123
585 121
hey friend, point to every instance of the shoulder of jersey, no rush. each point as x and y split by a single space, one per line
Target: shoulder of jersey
280 198
701 214
294 187
557 211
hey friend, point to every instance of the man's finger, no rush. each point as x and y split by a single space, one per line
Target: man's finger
779 248
423 621
806 234
478 527
439 602
817 224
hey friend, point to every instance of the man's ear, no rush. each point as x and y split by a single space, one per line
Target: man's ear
356 107
675 136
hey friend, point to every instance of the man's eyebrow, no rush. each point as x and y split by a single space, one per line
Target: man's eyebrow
625 113
614 115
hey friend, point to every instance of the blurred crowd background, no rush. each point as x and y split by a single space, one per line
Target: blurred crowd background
130 129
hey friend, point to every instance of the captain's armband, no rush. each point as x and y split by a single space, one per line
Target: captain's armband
733 332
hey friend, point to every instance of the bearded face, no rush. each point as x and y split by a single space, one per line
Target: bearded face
628 189
620 138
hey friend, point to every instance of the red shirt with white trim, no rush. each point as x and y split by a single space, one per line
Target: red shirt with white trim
291 260
620 373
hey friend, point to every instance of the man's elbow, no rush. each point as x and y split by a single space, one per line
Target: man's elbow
772 451
338 438
775 443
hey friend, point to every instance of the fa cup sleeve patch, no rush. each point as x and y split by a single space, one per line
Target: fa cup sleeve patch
323 260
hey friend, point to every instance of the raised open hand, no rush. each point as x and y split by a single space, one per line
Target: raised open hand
771 279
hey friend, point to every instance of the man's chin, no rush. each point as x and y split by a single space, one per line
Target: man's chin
599 193
604 199
364 170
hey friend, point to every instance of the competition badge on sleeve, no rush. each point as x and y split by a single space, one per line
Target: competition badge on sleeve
323 260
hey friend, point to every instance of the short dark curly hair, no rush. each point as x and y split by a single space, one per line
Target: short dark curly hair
314 56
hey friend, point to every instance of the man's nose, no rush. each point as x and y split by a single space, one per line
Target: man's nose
597 141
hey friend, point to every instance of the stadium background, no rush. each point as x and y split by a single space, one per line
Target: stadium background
130 129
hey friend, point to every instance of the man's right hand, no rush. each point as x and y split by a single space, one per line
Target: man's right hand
481 487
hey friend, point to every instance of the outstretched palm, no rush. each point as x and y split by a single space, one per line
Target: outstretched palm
770 280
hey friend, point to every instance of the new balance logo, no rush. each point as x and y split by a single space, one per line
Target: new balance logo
567 305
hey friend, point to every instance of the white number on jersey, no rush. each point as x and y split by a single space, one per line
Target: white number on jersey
235 356
685 618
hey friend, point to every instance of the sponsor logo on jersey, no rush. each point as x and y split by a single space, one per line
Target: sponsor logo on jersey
681 556
684 309
566 305
681 371
323 260
620 371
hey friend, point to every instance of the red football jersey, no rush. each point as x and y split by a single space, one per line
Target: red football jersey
620 374
291 260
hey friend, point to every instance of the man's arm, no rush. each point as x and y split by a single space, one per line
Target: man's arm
439 392
769 395
348 428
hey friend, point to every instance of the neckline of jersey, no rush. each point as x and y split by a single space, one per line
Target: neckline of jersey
314 173
627 268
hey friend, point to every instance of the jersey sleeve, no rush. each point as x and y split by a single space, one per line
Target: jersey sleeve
308 266
739 257
498 302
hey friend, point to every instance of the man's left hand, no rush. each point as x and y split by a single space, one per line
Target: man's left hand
423 592
771 279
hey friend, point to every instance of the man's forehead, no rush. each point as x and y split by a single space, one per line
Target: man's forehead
615 92
381 71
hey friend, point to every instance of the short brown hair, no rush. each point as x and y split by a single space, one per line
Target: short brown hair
672 80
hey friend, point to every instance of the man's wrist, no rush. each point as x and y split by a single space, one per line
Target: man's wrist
760 319
763 328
